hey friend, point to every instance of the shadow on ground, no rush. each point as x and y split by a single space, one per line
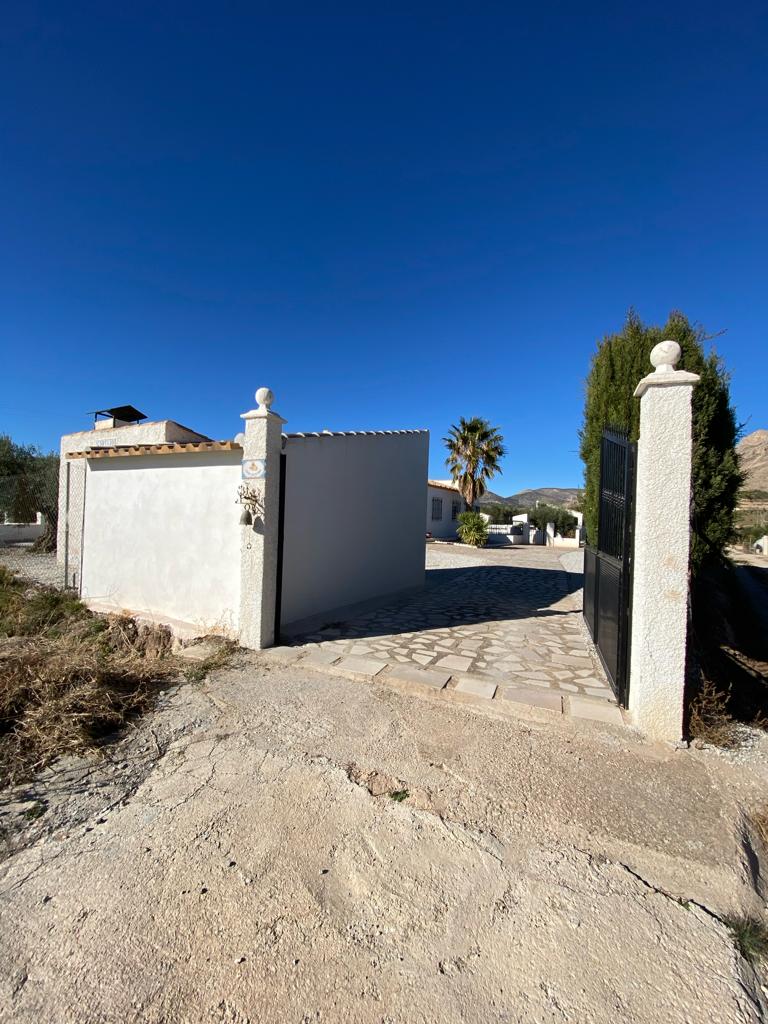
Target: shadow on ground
461 597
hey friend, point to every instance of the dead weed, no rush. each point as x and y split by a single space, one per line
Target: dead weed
710 722
69 678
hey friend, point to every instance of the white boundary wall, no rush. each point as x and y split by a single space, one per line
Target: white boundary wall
354 520
72 471
20 533
161 538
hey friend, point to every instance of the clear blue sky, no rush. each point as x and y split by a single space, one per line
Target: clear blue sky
391 218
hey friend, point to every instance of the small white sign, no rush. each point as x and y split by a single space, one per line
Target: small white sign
254 469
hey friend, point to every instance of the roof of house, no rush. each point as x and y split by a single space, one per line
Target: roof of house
167 448
447 485
128 413
353 433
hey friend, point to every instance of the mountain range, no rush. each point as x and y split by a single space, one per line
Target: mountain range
564 496
753 456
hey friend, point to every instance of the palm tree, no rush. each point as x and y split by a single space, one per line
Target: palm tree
474 450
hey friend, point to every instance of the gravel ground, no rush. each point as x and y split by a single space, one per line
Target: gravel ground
34 566
241 858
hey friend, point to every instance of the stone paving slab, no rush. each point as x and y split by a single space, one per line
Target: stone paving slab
548 699
322 656
487 625
361 666
476 687
418 676
597 711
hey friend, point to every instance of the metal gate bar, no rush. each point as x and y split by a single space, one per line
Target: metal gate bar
608 563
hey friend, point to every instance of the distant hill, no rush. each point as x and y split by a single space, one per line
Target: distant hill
753 456
564 496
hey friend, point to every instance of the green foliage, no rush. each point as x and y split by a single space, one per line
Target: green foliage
29 483
475 449
752 532
620 362
750 936
501 513
398 795
35 611
564 522
200 670
472 529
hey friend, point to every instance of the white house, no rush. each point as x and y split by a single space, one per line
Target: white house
230 537
444 506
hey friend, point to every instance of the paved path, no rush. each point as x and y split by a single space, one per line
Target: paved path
499 624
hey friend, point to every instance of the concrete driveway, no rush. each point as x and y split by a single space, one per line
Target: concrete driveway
499 624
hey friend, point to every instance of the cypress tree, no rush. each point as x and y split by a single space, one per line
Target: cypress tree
620 362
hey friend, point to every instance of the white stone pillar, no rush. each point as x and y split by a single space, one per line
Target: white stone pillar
260 497
661 547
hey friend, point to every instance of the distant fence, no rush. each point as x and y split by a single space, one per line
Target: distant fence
28 524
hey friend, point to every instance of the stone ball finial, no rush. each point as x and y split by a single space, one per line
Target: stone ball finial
265 398
665 356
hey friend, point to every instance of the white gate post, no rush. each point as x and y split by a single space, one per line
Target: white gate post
260 497
661 547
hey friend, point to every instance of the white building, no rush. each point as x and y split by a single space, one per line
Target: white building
444 506
123 427
247 538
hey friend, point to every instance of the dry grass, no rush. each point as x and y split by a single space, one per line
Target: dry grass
750 936
68 678
759 820
198 671
710 721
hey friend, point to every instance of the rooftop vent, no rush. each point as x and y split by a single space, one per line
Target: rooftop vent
119 416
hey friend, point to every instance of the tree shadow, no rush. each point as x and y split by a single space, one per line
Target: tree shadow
466 596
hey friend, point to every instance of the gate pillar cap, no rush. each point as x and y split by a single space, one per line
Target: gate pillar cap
265 397
665 357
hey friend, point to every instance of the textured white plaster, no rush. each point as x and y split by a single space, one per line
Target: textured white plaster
71 504
354 519
661 555
258 541
445 527
161 538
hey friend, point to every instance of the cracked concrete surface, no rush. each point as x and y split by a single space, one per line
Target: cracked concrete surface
240 858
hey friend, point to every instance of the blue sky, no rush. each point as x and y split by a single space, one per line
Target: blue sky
392 219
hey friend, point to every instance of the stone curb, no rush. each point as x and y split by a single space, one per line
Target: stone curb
455 687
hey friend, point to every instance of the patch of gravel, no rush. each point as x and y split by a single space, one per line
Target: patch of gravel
751 749
38 567
453 556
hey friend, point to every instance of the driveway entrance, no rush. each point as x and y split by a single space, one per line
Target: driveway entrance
502 623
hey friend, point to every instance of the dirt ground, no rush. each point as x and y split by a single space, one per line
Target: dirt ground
241 857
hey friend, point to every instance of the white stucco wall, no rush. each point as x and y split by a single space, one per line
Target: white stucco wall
661 551
354 520
444 528
161 538
72 473
21 533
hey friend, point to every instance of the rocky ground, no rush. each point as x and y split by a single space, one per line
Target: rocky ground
277 844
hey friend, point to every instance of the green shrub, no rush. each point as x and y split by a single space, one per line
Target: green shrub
472 529
749 935
617 367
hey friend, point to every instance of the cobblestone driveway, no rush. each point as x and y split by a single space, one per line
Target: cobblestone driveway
509 617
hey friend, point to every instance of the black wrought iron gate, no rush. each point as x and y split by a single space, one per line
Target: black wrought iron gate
608 563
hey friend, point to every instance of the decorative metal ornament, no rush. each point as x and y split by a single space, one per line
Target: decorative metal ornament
253 503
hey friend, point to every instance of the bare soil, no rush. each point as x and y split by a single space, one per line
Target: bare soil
275 844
